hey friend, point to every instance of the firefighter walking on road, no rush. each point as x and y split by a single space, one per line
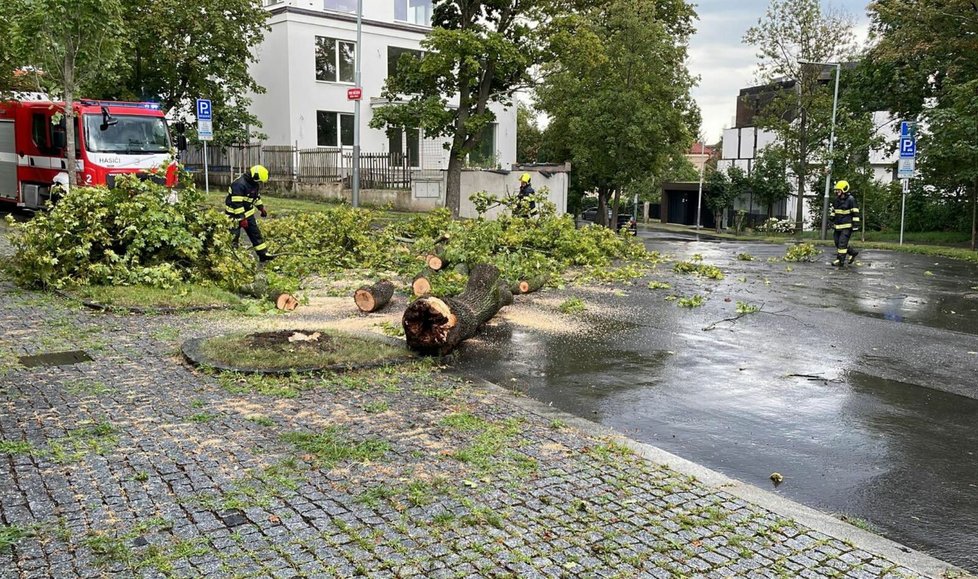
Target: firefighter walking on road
242 201
845 219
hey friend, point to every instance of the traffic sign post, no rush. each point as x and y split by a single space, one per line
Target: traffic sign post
205 132
907 165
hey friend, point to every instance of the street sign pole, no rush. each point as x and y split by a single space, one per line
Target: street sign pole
906 166
207 183
356 112
205 132
903 207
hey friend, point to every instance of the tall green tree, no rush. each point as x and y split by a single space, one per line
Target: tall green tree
10 63
617 91
70 45
922 65
180 51
789 32
479 52
529 137
769 178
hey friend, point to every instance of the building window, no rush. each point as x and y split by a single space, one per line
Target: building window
341 5
394 54
413 11
484 154
335 60
334 129
405 143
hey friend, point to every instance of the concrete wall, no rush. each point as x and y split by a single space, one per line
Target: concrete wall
502 183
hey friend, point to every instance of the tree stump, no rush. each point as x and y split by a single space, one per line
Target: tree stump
435 326
372 298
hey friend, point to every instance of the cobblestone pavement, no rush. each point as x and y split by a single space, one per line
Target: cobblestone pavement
136 465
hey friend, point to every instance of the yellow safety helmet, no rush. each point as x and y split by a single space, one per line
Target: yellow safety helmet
525 178
259 173
842 186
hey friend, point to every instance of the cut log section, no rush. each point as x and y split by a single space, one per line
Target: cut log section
259 289
436 261
436 326
372 298
529 285
286 302
421 286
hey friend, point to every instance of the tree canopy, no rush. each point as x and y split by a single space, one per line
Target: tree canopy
479 52
789 32
617 91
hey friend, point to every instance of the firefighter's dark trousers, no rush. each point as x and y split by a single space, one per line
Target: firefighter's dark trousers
254 234
842 248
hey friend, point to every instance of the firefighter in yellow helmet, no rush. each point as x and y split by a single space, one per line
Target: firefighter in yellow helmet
525 205
845 220
242 201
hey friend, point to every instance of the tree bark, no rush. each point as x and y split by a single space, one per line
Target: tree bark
616 201
802 170
372 298
435 327
603 206
453 191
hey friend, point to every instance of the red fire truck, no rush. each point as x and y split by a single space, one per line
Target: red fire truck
110 138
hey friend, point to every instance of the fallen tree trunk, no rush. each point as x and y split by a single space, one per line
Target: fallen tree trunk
435 326
371 298
529 285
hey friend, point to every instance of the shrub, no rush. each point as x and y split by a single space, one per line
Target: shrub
779 226
136 233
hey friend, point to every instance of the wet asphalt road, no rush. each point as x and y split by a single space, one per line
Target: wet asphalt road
859 386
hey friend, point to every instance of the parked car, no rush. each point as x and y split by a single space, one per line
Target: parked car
624 219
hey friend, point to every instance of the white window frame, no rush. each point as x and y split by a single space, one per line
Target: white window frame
336 59
338 115
353 9
407 9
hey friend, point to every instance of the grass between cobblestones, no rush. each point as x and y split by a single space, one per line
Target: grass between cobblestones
146 297
331 349
394 471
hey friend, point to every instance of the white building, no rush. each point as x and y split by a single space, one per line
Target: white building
307 62
743 142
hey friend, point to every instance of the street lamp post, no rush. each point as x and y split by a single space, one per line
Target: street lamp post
828 173
699 197
356 112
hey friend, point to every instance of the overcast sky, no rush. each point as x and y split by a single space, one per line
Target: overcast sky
725 65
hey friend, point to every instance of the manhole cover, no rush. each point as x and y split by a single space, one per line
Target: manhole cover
55 359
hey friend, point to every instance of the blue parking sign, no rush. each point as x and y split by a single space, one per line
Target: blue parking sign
908 147
204 111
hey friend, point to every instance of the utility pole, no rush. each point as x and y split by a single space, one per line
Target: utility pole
356 110
699 197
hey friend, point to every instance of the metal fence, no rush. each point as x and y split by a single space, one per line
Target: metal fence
319 165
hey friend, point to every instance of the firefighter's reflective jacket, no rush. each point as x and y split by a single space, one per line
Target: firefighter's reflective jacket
243 198
845 213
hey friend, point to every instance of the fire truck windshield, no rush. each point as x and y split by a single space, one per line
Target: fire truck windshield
131 134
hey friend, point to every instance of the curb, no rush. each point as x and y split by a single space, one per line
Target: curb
811 518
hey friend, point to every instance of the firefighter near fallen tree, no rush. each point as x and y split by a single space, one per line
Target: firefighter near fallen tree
525 204
241 203
845 220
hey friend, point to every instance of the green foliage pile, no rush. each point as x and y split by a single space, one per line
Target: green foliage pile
129 235
701 269
802 252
